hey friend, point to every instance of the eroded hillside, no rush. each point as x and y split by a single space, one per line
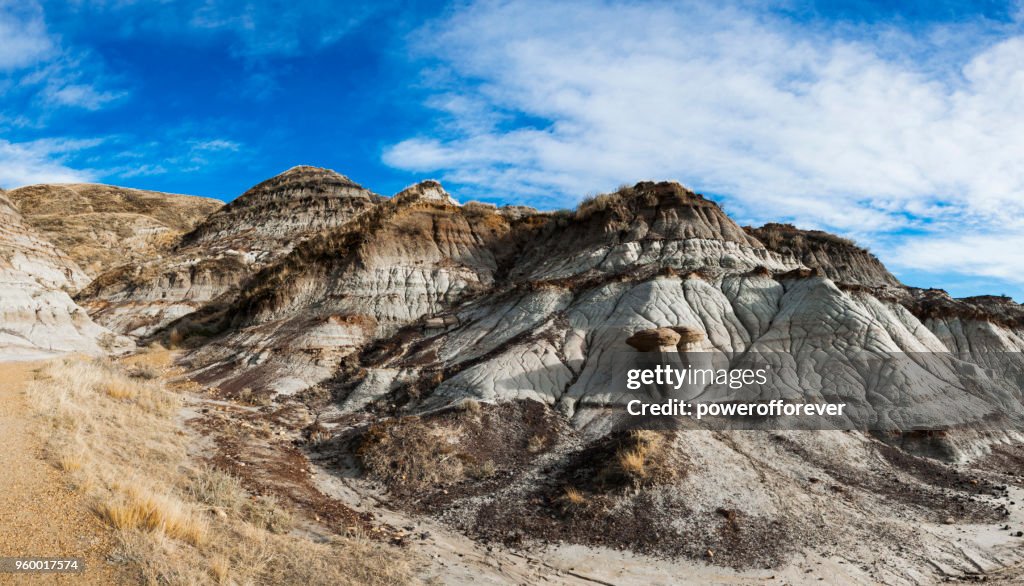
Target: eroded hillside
102 226
37 315
458 365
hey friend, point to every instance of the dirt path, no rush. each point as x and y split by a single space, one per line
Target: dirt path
39 515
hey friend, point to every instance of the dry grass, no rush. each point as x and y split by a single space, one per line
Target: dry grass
142 508
643 458
412 454
574 496
120 389
70 462
117 438
633 462
536 444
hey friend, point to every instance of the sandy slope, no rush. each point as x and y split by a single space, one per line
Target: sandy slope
39 515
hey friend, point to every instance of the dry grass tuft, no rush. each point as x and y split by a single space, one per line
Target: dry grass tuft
574 496
633 462
536 443
70 462
120 389
139 507
175 338
642 458
469 405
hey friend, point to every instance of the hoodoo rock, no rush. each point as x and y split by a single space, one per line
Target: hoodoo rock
654 339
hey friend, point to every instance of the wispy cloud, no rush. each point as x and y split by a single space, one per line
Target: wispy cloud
42 161
280 29
865 130
36 63
23 34
39 76
994 255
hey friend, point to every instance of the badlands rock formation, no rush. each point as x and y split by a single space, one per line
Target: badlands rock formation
37 314
502 305
469 359
218 255
101 226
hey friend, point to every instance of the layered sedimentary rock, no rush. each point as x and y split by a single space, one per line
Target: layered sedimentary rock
102 226
498 337
502 304
838 258
412 256
504 331
229 246
37 315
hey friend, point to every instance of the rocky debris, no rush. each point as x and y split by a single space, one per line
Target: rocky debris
37 315
102 226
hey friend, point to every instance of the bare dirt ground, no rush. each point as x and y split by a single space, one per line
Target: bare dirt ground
40 516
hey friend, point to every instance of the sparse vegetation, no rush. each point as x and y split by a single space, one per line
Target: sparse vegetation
574 496
117 438
642 458
469 405
536 443
411 453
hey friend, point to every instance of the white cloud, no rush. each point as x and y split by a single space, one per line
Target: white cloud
857 130
41 161
23 37
215 144
38 65
995 255
79 95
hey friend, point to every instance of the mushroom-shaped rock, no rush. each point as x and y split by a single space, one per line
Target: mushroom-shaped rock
653 339
689 337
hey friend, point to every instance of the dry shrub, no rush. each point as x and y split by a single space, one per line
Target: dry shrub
485 469
411 454
125 452
469 405
537 443
175 338
574 496
631 459
596 203
644 457
632 463
120 389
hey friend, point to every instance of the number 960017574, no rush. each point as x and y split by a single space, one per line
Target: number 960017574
41 565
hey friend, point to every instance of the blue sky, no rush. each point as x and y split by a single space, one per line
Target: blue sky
898 124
